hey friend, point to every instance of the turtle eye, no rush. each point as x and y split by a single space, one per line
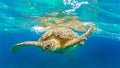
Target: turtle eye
48 47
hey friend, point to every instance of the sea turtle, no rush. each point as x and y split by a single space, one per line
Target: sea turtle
56 39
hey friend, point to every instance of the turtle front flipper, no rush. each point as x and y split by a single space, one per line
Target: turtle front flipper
18 46
82 37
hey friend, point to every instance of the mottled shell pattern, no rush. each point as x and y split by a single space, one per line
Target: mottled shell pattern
60 32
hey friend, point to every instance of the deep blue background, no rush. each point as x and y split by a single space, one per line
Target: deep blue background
98 52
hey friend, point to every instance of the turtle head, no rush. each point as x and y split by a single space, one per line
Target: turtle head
50 45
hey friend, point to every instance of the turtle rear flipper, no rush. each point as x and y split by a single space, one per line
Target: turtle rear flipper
19 46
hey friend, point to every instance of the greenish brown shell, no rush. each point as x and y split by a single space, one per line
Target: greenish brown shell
61 34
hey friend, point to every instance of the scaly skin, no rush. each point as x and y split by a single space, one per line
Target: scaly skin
23 44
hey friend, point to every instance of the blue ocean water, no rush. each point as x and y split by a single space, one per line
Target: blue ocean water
101 49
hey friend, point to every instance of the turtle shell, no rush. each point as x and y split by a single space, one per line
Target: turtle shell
63 33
